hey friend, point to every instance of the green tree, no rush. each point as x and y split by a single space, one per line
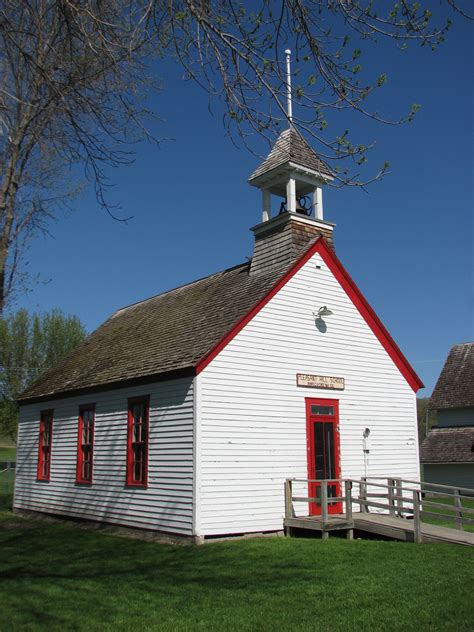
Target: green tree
29 345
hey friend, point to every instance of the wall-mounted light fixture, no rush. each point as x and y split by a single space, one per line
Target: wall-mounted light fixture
323 311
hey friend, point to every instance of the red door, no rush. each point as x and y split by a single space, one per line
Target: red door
322 433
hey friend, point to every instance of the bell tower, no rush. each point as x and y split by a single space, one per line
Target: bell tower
293 172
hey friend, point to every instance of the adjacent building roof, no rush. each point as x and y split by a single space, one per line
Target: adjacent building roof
455 385
448 445
290 146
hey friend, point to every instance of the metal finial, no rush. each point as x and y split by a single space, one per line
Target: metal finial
288 85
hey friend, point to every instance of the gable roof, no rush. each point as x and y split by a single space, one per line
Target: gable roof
290 146
184 329
166 333
455 385
448 445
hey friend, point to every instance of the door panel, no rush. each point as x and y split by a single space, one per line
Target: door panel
322 427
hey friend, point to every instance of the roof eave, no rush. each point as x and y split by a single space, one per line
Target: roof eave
174 374
267 177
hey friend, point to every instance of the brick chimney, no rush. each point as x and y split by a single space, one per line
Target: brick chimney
281 240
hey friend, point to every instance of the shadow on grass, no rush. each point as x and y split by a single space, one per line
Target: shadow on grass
71 578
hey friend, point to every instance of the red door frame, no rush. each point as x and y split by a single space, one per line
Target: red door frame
315 508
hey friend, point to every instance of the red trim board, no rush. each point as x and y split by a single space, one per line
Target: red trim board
351 289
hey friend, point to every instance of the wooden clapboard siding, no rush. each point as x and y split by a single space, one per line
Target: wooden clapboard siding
251 414
166 504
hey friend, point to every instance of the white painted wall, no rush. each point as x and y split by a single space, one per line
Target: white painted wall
167 503
251 414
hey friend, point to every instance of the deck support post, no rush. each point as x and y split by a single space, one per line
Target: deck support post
289 513
458 506
416 517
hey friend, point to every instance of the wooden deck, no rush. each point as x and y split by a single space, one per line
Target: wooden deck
394 508
380 524
316 523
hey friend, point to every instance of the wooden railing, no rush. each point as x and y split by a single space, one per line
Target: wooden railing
417 500
397 497
324 501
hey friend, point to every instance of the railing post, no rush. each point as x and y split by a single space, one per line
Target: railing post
363 495
324 500
348 494
416 516
391 496
399 494
289 513
458 506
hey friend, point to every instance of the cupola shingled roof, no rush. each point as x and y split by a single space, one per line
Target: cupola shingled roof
291 147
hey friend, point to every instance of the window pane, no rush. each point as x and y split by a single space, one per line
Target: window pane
329 449
324 450
319 451
322 410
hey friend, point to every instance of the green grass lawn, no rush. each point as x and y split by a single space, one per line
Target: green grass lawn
62 577
7 454
7 449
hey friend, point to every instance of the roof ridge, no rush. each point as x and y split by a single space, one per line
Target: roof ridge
179 287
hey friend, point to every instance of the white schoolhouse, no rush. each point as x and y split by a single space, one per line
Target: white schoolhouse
185 413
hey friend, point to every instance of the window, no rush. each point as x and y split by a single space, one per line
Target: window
322 410
85 444
137 445
44 451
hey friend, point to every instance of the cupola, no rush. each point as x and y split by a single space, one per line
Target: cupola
293 172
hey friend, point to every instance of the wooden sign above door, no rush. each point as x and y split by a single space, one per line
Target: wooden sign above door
320 381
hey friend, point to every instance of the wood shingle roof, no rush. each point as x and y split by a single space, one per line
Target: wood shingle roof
164 334
455 385
448 445
290 146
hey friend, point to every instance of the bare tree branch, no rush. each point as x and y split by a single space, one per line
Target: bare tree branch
74 75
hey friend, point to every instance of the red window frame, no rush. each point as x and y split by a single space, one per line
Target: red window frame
137 441
45 442
85 444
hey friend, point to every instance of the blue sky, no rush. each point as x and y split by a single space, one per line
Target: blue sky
407 242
